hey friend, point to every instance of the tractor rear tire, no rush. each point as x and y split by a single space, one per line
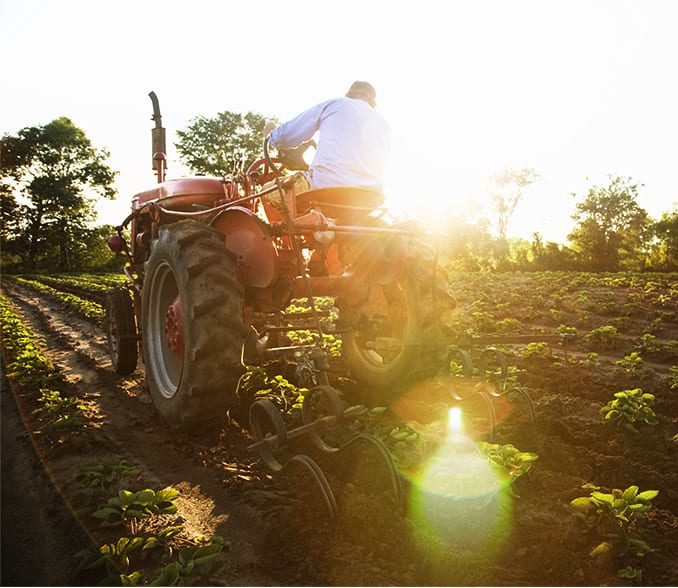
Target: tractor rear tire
192 326
419 307
382 368
121 331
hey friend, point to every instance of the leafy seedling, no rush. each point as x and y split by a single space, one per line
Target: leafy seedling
630 407
613 515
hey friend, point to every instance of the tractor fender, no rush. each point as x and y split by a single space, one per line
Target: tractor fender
249 239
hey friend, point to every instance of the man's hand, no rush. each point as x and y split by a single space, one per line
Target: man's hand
269 125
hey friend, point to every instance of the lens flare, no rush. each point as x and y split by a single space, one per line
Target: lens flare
454 421
458 496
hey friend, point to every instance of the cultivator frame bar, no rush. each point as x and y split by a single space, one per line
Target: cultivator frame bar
272 437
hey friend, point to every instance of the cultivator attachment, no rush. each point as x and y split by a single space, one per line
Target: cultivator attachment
488 380
324 418
470 373
485 373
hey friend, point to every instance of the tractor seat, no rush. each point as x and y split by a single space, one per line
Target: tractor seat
340 201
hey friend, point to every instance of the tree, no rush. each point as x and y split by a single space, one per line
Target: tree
221 145
56 174
665 244
506 192
611 227
551 256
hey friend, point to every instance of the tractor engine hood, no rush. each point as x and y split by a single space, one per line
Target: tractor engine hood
183 194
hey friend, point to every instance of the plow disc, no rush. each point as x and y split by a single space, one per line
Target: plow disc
275 444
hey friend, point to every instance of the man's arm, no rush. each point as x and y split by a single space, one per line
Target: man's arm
299 129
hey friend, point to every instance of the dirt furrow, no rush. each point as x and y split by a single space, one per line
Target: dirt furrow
128 428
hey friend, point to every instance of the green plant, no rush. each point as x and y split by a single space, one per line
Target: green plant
604 337
537 350
630 573
591 360
649 344
410 447
632 363
286 395
674 377
105 474
197 560
28 367
614 516
26 364
60 414
129 508
509 325
565 330
511 460
629 407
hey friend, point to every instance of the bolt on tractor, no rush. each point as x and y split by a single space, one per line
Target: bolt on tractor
213 264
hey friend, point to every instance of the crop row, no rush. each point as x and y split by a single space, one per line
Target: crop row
176 557
88 309
57 413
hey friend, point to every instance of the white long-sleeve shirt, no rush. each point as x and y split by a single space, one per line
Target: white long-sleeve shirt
353 145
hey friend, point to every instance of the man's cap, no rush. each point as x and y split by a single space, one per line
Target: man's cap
363 90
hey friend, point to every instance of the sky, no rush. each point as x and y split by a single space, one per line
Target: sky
576 90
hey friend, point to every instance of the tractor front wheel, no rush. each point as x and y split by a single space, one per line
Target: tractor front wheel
192 325
121 331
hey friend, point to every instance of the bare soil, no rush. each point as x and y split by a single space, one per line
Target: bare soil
274 525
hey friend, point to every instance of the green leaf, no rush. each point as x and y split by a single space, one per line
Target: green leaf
647 495
527 456
124 497
168 494
641 545
630 573
509 450
604 547
109 515
134 543
145 497
630 493
168 576
136 513
619 504
200 555
151 543
602 498
582 503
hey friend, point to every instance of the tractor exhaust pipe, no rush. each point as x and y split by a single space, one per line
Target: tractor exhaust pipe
159 148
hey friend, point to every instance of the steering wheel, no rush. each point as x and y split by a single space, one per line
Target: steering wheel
272 166
271 169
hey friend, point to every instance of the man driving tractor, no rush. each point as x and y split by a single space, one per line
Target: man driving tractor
353 144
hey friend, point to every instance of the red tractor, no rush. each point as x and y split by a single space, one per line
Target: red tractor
213 264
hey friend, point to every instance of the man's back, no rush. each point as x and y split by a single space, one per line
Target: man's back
353 146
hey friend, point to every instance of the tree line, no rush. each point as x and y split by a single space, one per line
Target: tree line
52 177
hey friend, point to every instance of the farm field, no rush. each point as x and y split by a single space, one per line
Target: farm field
532 524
